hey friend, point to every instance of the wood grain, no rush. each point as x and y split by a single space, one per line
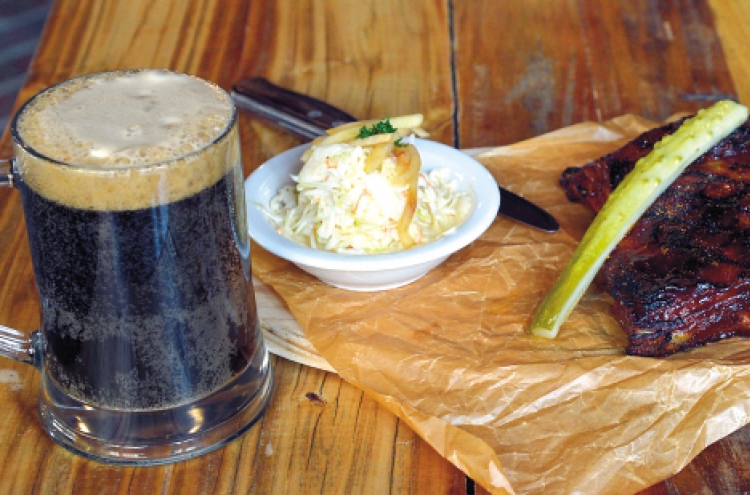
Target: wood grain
372 59
342 443
485 73
605 59
732 19
524 82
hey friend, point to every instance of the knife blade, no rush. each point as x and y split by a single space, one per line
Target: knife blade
308 118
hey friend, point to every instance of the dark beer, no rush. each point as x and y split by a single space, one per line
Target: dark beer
143 308
134 204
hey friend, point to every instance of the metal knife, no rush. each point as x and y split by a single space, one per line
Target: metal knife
308 118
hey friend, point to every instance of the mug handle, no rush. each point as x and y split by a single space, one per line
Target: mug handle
21 347
6 172
14 344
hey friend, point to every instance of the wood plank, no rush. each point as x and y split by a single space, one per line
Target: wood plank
732 19
668 55
203 38
509 87
324 445
721 468
674 61
372 59
344 443
522 83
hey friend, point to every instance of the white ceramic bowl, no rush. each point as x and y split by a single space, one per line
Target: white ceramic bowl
373 272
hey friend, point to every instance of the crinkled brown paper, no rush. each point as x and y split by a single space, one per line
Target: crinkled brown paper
449 354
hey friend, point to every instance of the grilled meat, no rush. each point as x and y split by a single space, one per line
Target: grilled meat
681 277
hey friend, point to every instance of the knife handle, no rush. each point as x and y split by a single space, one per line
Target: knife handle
293 112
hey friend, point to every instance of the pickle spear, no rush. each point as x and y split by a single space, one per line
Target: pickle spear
635 194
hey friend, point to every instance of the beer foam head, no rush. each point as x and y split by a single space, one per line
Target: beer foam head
125 118
126 139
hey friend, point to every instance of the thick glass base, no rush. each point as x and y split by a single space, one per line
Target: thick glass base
158 436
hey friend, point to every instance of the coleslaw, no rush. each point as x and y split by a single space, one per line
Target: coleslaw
336 205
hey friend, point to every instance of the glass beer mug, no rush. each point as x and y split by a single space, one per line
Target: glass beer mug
149 349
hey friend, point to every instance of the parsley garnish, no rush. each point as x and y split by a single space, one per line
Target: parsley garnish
382 127
400 144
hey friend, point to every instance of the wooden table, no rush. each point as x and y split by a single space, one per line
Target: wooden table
484 72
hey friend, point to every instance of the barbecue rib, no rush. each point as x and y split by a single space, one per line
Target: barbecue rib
681 277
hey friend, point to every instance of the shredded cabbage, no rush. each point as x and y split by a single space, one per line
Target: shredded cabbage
336 206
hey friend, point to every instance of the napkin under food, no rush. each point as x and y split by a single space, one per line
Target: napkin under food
450 356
